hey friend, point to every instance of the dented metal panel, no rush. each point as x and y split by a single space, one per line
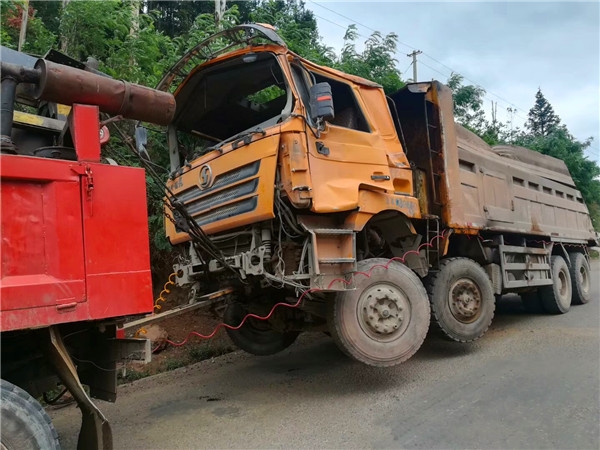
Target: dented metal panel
473 186
64 258
514 189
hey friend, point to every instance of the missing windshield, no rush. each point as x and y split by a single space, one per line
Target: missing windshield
230 98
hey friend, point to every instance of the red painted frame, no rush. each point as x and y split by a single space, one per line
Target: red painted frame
74 236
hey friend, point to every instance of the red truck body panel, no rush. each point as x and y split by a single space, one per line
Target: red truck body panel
74 236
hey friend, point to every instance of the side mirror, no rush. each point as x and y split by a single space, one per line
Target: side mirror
141 139
321 102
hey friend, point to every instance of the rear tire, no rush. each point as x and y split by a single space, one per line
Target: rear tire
384 321
580 279
256 336
556 298
24 423
462 299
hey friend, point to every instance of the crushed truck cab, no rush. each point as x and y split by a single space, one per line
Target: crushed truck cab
290 179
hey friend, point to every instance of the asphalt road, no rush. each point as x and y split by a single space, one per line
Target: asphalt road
531 382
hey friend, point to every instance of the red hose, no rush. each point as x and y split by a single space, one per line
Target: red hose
299 302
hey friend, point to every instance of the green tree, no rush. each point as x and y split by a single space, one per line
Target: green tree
542 119
468 104
93 28
11 23
123 40
141 57
38 39
176 18
560 144
48 11
376 62
204 26
494 131
296 25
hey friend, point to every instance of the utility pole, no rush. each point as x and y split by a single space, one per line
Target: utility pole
24 18
511 111
64 42
220 6
414 63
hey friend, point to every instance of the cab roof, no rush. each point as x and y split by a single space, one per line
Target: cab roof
244 38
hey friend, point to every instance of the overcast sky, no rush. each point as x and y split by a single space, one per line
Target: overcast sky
508 48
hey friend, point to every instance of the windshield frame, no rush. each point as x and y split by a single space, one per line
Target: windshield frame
253 132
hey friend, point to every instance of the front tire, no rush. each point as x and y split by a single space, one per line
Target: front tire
462 299
384 321
556 298
580 279
24 423
256 336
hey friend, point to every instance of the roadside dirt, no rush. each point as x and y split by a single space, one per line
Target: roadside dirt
178 328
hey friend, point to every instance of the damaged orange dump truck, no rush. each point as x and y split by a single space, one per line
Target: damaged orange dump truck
294 180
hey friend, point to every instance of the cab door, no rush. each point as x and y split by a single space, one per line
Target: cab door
348 155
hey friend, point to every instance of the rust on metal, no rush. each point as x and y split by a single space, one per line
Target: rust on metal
67 85
96 432
204 302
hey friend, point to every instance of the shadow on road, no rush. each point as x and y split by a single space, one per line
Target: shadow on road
316 355
314 366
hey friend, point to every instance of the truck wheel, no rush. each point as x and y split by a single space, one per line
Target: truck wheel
256 336
462 299
384 321
556 298
532 303
24 425
580 279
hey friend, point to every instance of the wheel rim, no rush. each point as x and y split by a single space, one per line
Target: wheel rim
584 280
562 287
464 300
384 312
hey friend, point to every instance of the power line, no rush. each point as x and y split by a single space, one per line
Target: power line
487 94
356 22
435 70
412 48
331 22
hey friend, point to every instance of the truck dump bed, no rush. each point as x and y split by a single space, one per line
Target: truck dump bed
508 188
473 186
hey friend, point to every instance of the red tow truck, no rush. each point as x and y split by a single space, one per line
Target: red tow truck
75 248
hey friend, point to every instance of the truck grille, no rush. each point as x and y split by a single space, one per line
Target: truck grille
228 211
203 205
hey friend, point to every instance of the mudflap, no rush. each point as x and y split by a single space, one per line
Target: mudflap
95 433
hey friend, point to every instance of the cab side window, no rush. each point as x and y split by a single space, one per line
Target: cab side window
301 83
347 112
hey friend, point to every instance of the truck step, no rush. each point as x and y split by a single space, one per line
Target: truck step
337 260
332 231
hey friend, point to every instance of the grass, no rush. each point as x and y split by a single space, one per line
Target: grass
194 353
131 375
200 352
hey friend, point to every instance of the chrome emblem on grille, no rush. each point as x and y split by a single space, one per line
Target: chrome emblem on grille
206 177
